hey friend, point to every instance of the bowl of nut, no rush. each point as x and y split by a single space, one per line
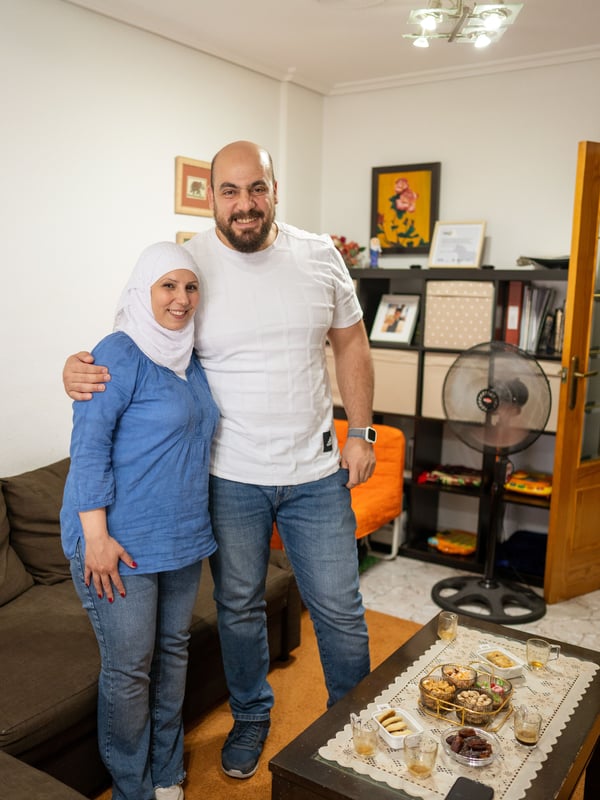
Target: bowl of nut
393 724
437 693
471 747
474 706
459 676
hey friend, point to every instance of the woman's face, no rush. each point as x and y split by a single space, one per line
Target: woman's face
174 298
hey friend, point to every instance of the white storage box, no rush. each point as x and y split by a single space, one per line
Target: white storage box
435 368
458 314
395 381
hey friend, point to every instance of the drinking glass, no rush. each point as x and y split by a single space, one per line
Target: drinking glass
447 625
528 724
420 752
364 737
539 652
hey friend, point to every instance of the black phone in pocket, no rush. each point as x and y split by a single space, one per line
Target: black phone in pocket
466 789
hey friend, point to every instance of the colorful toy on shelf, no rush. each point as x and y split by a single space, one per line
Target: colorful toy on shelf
538 484
455 542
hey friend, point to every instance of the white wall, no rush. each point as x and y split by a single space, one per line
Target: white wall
507 144
94 113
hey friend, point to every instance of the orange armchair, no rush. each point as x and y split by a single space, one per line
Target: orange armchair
378 501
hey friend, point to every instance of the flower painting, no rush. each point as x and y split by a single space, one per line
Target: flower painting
404 207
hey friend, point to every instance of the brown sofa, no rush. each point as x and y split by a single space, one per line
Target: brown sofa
49 659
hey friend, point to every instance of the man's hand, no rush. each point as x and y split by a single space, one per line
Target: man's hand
81 377
358 457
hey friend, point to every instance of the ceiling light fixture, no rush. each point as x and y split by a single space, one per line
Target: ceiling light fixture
421 41
464 21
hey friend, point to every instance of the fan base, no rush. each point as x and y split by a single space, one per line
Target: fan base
494 596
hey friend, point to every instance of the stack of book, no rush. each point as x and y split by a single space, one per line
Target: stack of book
531 321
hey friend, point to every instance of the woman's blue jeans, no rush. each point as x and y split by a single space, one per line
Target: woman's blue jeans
317 526
143 641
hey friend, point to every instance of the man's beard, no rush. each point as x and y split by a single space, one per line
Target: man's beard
247 241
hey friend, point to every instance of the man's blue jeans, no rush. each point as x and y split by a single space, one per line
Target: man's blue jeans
143 641
317 526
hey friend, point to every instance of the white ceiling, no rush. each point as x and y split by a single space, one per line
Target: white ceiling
338 46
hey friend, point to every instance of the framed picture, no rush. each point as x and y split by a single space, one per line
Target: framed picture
404 207
396 318
457 244
192 180
184 236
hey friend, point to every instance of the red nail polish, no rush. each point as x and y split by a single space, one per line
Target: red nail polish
110 599
122 594
134 564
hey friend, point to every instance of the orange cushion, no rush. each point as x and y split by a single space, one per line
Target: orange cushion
379 500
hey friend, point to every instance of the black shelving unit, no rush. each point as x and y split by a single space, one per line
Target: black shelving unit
424 517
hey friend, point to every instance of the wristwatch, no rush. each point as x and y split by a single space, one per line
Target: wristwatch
368 434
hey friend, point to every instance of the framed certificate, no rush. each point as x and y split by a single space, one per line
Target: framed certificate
457 244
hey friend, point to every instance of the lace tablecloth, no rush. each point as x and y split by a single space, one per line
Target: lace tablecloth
555 692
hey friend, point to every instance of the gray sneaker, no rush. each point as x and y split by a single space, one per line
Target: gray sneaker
242 748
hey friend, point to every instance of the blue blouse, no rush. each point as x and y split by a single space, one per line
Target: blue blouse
141 450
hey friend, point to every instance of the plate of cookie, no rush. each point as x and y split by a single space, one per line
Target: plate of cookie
393 724
499 661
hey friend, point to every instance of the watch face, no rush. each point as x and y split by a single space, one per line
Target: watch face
371 435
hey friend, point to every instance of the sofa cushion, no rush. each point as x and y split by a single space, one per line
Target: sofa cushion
14 579
22 782
33 502
51 664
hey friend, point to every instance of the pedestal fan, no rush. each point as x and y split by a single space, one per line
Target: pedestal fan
497 400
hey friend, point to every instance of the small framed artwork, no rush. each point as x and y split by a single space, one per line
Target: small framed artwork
396 318
404 207
457 244
192 181
184 236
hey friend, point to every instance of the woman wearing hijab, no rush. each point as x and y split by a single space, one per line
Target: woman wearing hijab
135 522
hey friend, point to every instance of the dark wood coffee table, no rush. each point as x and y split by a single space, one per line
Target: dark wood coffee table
297 775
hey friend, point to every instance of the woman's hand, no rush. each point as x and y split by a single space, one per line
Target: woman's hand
102 555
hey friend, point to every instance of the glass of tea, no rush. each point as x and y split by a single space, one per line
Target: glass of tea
539 652
364 736
528 726
420 752
447 625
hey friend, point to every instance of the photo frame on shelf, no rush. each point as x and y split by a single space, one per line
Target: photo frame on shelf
396 319
192 181
405 206
457 244
182 237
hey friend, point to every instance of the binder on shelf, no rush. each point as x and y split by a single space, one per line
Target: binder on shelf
559 316
514 310
541 297
546 341
526 314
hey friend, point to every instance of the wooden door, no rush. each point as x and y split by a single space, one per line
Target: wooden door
573 555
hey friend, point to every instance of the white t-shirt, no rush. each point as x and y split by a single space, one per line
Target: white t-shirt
260 334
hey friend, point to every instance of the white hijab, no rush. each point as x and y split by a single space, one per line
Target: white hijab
172 349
